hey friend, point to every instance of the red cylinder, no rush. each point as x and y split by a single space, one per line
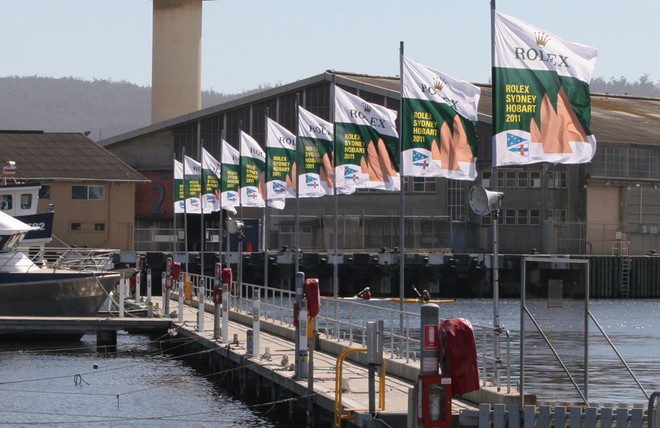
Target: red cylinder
176 270
313 295
227 278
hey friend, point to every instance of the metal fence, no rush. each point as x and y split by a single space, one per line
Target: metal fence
346 320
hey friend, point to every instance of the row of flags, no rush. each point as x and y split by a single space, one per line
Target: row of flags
541 113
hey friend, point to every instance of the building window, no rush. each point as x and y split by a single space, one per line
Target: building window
510 216
44 192
485 179
99 227
90 193
534 217
522 217
535 179
424 184
522 179
456 199
510 179
75 226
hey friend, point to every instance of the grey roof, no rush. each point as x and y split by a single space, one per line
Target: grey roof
62 156
614 118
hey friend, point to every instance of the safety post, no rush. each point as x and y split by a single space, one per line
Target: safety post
374 358
303 354
227 283
167 286
255 320
150 304
217 300
313 296
433 389
122 294
300 282
180 300
175 284
138 278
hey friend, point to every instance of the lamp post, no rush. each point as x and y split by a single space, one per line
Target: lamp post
484 202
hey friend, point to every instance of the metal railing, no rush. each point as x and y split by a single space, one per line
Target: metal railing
346 320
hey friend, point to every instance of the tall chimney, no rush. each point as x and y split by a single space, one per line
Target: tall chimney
176 76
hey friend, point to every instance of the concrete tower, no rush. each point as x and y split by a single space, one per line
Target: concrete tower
176 76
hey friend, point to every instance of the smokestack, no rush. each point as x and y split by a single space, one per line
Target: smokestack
176 76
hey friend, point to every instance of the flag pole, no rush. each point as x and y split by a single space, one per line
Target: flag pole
402 219
174 192
496 211
297 164
219 196
185 207
335 267
265 215
202 242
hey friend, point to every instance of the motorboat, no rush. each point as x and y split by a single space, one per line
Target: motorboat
27 289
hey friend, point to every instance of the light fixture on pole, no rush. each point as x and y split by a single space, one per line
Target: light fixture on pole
236 227
484 202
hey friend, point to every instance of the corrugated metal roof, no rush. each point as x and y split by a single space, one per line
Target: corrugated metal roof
62 156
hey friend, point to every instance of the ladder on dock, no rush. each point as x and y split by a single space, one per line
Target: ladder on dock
624 275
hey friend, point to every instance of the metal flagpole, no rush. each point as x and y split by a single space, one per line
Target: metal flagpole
402 220
335 267
297 164
202 242
174 195
265 215
496 212
185 207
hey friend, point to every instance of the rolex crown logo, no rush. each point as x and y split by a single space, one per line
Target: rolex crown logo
541 38
439 83
366 107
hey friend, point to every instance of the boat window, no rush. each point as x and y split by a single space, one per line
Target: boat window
5 202
26 201
9 243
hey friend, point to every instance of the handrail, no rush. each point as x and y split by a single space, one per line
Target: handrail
618 354
403 343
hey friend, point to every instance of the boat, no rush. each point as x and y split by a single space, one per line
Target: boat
19 199
27 289
420 300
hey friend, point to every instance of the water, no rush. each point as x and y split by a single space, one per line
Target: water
54 385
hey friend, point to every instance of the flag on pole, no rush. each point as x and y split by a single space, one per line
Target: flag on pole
192 171
230 182
280 164
315 171
366 145
438 124
179 190
253 174
211 176
542 109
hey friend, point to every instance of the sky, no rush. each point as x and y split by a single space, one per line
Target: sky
248 43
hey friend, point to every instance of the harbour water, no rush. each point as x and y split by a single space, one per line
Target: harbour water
72 385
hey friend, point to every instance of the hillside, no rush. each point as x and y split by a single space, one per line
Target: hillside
106 108
102 107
